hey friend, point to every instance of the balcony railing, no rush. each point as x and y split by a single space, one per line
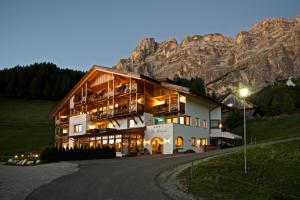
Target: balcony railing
61 137
121 110
164 108
60 122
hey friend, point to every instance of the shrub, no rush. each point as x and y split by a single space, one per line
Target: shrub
54 154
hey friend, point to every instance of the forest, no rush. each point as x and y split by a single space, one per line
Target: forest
38 81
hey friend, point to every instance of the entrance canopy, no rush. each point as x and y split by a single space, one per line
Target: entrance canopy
225 135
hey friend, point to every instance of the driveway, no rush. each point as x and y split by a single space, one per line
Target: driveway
128 178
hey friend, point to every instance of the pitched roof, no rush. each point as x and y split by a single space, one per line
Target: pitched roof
165 83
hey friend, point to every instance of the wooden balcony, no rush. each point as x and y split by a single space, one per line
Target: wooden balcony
120 111
61 137
168 108
62 122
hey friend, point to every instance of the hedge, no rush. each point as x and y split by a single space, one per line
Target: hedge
54 154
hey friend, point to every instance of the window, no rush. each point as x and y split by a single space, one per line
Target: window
131 123
175 120
193 141
172 120
203 141
77 128
168 120
215 124
197 122
205 125
179 142
185 120
181 120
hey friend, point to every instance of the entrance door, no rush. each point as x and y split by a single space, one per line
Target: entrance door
157 145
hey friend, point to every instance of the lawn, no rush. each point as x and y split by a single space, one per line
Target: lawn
274 173
271 128
25 125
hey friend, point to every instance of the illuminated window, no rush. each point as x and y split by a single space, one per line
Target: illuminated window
197 122
175 120
181 120
205 125
168 120
193 141
77 128
203 141
131 123
179 142
187 120
172 120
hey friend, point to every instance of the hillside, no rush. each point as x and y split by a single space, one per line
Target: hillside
280 127
268 52
38 81
25 125
278 98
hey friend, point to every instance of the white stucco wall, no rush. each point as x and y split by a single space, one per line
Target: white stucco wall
163 131
187 132
197 108
78 119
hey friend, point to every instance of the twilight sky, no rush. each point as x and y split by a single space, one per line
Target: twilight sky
77 34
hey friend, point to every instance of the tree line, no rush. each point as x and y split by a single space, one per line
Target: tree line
38 81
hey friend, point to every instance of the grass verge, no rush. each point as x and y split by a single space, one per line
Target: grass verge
274 173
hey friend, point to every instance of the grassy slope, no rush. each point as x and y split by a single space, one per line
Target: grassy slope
271 129
274 174
25 125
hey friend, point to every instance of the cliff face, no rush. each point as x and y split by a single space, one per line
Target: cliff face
268 52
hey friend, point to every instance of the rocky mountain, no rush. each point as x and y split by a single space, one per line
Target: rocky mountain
268 52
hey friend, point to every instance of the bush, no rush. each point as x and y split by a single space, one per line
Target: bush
54 154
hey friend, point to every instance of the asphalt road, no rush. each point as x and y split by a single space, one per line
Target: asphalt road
129 178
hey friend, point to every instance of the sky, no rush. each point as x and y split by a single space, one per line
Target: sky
80 33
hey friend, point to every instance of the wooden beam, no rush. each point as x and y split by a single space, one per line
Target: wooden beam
169 103
111 122
113 78
117 122
136 102
140 118
130 96
132 117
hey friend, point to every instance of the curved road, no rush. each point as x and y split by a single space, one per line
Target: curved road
128 178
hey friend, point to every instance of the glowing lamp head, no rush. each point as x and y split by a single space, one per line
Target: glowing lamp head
244 92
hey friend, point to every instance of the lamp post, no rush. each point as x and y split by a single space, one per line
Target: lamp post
244 92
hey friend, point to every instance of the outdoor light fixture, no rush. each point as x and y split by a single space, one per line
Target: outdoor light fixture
244 92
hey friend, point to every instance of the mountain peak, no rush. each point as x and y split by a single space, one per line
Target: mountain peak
268 52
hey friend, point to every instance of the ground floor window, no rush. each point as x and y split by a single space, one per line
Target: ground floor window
179 142
203 141
193 141
125 143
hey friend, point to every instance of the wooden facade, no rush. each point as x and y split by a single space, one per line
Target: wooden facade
109 97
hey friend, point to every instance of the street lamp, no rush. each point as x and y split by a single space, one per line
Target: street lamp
244 92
